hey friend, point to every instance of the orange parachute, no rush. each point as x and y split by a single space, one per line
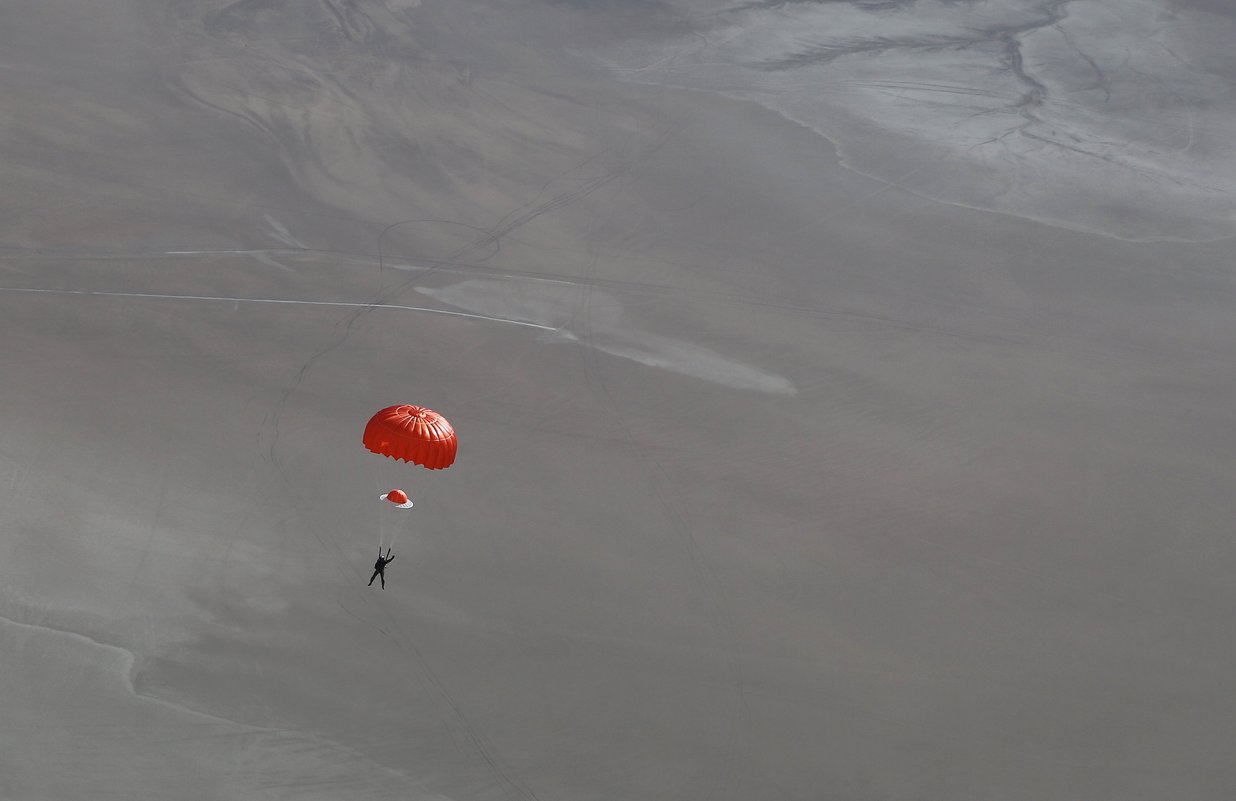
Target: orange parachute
412 434
397 497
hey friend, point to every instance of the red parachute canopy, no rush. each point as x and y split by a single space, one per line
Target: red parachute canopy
412 434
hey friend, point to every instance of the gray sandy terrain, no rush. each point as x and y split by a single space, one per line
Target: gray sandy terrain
844 390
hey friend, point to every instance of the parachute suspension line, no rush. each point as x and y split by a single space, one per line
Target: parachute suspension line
379 519
381 527
397 520
404 525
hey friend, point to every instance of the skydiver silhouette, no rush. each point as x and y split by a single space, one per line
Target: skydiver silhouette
379 567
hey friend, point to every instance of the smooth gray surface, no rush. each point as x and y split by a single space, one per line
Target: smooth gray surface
788 469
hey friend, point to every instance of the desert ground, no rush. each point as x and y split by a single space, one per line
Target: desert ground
845 391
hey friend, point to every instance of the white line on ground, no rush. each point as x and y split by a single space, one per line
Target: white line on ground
96 293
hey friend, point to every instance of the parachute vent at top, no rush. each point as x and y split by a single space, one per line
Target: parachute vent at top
412 434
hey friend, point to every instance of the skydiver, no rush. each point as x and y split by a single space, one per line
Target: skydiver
379 567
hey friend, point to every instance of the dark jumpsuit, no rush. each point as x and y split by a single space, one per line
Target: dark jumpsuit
379 567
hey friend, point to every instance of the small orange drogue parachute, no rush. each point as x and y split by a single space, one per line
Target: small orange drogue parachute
412 434
398 497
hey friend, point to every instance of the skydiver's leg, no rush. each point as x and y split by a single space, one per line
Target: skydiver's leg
383 581
371 578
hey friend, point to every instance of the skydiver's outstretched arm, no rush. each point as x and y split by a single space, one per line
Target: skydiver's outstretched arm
389 558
